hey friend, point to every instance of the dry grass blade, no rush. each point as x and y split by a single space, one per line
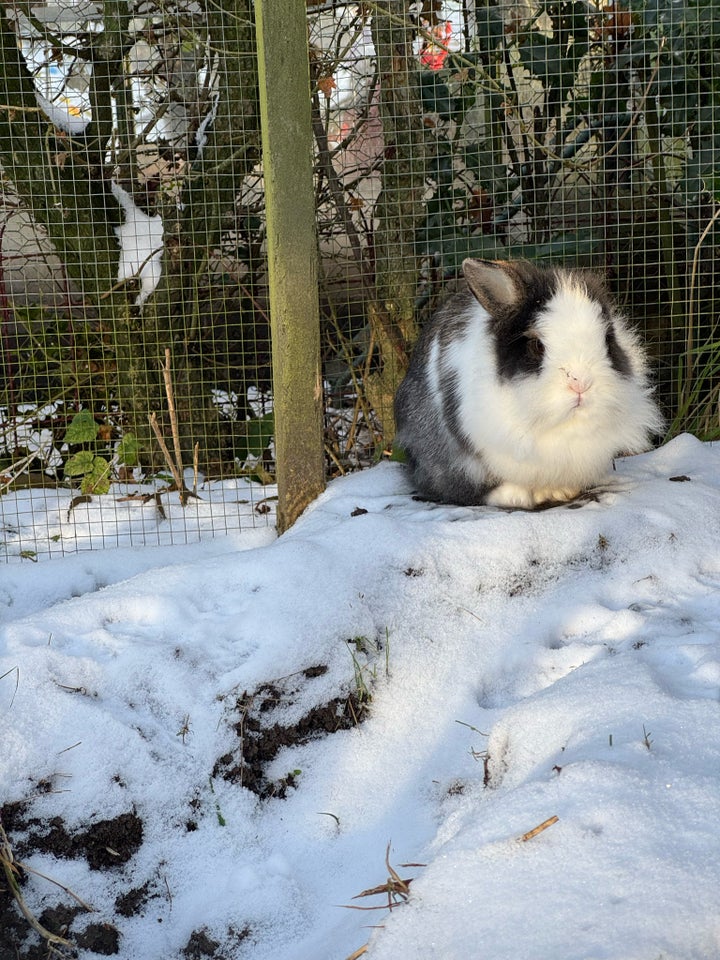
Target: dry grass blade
16 671
402 885
26 869
10 869
539 829
358 953
396 888
377 906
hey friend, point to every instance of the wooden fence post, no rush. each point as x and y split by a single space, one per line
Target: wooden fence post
284 76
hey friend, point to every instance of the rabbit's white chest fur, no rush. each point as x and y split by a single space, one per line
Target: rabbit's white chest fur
532 415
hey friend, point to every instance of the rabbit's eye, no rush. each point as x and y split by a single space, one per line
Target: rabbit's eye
535 348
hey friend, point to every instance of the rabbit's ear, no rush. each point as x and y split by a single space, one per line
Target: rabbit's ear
496 284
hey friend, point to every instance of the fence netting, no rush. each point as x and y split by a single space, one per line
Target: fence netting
135 347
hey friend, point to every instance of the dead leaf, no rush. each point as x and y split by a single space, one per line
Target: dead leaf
326 85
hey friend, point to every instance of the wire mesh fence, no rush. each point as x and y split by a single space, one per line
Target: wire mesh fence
134 304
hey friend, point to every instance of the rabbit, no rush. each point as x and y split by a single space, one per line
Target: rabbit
522 389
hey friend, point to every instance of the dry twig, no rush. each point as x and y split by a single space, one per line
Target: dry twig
358 953
539 829
174 464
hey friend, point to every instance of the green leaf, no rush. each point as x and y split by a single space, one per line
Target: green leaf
398 455
82 428
97 479
256 435
128 449
79 464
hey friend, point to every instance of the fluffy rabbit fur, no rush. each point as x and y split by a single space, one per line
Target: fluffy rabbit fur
522 389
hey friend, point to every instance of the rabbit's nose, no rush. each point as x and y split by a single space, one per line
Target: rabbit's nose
578 384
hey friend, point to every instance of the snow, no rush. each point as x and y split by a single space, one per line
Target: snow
522 667
56 522
141 245
64 113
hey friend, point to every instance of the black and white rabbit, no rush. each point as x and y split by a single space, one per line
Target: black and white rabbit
522 389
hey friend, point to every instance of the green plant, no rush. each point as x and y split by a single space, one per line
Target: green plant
698 390
364 674
252 442
365 654
89 464
222 822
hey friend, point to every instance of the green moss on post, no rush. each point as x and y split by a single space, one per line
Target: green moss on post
284 76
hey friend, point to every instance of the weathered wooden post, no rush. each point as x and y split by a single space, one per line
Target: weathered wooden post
284 75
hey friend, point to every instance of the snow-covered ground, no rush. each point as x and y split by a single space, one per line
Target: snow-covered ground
522 667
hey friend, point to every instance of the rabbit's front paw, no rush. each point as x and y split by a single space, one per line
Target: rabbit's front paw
511 495
555 494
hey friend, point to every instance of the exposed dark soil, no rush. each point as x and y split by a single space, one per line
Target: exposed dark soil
104 845
260 737
107 843
256 718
